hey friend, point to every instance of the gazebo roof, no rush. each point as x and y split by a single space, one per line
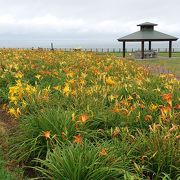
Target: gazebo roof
148 36
147 33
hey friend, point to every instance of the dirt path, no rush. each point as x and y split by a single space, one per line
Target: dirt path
7 123
8 126
157 70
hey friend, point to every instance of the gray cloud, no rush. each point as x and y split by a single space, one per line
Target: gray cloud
79 19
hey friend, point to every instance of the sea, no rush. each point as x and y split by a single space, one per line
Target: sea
98 44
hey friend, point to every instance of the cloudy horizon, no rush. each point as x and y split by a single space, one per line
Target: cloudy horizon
82 23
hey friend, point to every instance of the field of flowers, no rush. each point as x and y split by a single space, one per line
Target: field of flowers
84 116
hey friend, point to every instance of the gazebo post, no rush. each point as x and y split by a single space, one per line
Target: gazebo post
124 48
170 49
149 45
142 49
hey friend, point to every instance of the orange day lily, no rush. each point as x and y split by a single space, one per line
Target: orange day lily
165 111
115 109
103 152
46 134
78 139
177 107
83 118
142 106
167 98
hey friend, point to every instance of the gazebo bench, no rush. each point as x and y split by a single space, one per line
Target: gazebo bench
147 54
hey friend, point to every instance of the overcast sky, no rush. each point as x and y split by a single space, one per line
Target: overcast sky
89 21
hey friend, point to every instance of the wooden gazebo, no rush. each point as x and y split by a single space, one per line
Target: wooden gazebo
147 33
